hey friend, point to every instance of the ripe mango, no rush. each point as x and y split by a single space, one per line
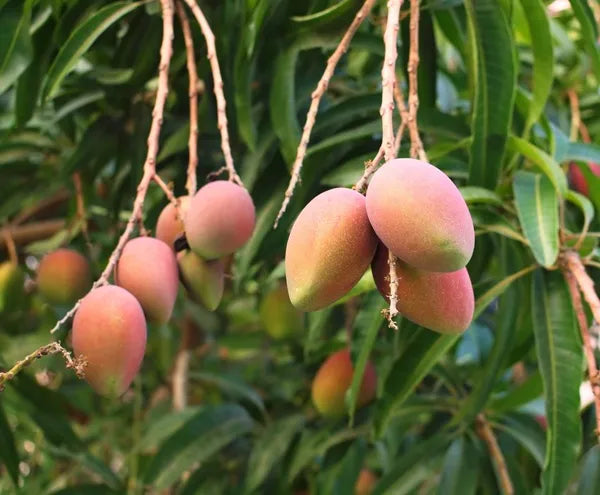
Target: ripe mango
168 226
279 317
365 483
109 332
440 301
147 268
330 246
577 179
12 291
204 280
420 215
333 380
64 276
219 220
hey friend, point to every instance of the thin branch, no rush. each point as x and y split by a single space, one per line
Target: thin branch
76 365
575 114
23 234
416 145
42 206
81 214
218 88
166 189
316 96
166 51
10 246
575 266
587 344
391 312
191 182
485 432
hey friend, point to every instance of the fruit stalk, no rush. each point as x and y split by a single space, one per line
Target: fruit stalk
316 96
191 183
485 432
416 145
211 54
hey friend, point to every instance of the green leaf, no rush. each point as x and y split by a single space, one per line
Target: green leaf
269 449
585 152
474 194
584 204
325 15
560 359
164 426
368 322
491 221
542 160
494 74
175 143
88 489
527 391
349 469
461 469
420 355
16 49
527 431
197 440
81 39
8 452
589 480
316 328
537 208
543 58
585 16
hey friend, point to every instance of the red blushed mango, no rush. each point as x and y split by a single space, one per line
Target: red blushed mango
280 318
148 269
365 483
109 333
204 280
329 248
420 215
577 178
168 226
63 276
219 220
440 301
333 380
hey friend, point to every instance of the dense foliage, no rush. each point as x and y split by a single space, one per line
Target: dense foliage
508 93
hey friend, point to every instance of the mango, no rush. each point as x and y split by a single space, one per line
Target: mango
441 301
109 334
333 380
63 277
12 290
577 179
279 317
219 220
147 268
168 226
365 483
204 280
330 246
420 215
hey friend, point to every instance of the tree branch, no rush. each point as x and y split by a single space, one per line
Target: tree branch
485 432
218 88
316 96
416 145
166 51
191 183
10 246
23 234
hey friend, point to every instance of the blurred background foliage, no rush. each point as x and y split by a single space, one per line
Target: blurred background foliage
77 83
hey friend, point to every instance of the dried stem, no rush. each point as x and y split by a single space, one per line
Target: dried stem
166 189
166 51
76 365
43 205
416 145
575 114
23 234
575 266
587 344
392 311
316 96
485 432
218 88
81 214
191 182
370 167
10 246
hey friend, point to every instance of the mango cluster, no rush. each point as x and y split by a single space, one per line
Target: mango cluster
412 209
109 328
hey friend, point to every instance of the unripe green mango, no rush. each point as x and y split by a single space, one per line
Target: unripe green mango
420 215
330 246
204 280
219 220
147 268
12 280
109 333
441 301
280 318
333 380
63 276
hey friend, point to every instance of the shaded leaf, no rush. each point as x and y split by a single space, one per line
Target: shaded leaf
16 50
